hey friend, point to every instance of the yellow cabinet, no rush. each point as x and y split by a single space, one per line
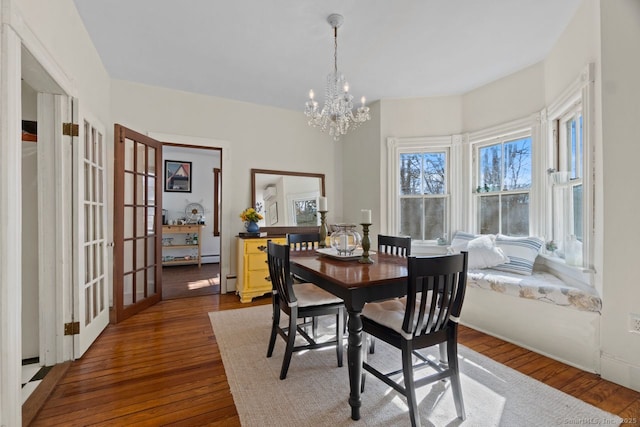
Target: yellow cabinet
253 271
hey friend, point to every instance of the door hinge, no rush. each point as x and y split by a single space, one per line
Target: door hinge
70 129
72 328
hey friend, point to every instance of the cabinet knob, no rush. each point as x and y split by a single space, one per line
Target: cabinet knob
262 247
268 278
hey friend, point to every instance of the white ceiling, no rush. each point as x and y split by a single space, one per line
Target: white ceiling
272 52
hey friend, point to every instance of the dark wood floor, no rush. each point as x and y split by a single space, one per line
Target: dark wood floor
163 367
181 281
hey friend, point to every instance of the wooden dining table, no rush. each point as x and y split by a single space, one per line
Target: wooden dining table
356 284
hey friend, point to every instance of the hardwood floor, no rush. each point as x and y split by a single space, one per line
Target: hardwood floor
181 281
163 367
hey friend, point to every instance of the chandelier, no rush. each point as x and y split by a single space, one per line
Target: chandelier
337 115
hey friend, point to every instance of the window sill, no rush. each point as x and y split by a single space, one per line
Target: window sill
569 273
428 249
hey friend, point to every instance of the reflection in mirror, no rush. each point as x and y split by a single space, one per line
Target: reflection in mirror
287 199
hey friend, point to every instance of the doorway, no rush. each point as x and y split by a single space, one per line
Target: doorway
195 202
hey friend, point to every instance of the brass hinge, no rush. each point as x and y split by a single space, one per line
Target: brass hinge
72 328
70 129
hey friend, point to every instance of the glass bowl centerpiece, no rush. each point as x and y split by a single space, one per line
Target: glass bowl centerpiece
345 239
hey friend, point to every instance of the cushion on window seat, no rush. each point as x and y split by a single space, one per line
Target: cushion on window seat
540 285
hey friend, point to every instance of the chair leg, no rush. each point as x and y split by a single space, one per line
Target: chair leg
339 329
345 313
364 360
443 355
291 338
274 330
452 353
314 327
407 372
372 344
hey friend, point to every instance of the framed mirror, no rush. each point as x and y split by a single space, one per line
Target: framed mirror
286 199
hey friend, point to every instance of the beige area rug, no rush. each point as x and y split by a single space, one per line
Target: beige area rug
315 391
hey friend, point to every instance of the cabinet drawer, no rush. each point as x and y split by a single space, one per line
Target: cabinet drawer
257 261
258 280
256 246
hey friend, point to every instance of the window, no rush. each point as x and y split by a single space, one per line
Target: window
419 188
423 195
503 179
567 182
572 172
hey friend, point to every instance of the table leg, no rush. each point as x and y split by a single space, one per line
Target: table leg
354 359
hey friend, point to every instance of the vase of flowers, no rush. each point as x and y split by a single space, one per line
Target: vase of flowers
250 216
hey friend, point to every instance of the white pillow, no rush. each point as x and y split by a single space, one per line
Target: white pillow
483 253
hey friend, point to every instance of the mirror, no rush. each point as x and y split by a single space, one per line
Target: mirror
286 199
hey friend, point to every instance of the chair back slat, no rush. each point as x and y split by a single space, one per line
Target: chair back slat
394 245
303 241
279 273
436 288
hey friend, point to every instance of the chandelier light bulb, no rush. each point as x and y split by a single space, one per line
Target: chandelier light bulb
346 87
363 100
311 94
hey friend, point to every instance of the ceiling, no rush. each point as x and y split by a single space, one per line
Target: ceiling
271 52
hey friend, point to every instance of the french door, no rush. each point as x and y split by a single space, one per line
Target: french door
137 219
91 290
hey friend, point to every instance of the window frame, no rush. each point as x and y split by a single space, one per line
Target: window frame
511 131
578 98
476 173
398 146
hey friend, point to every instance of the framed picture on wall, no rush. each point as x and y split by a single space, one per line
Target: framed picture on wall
273 213
177 176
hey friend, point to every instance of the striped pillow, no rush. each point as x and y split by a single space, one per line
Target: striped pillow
522 253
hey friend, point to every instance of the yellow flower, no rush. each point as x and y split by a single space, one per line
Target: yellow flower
250 214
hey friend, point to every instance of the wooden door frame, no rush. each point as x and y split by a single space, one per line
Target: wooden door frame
226 217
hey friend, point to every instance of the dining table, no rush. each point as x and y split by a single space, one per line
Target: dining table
356 283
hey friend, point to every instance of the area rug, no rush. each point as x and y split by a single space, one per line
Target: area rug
315 392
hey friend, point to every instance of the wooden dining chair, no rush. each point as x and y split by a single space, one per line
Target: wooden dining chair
394 245
303 241
298 302
427 316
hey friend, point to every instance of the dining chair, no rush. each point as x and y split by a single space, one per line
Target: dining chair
394 245
303 241
427 316
298 302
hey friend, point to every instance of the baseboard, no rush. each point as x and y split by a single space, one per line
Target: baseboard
619 372
36 400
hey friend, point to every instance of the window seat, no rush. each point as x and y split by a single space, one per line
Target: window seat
540 312
540 286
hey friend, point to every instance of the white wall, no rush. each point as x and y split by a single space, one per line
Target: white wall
258 137
202 163
621 151
514 97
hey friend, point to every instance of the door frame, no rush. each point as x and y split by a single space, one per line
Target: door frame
225 216
18 46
